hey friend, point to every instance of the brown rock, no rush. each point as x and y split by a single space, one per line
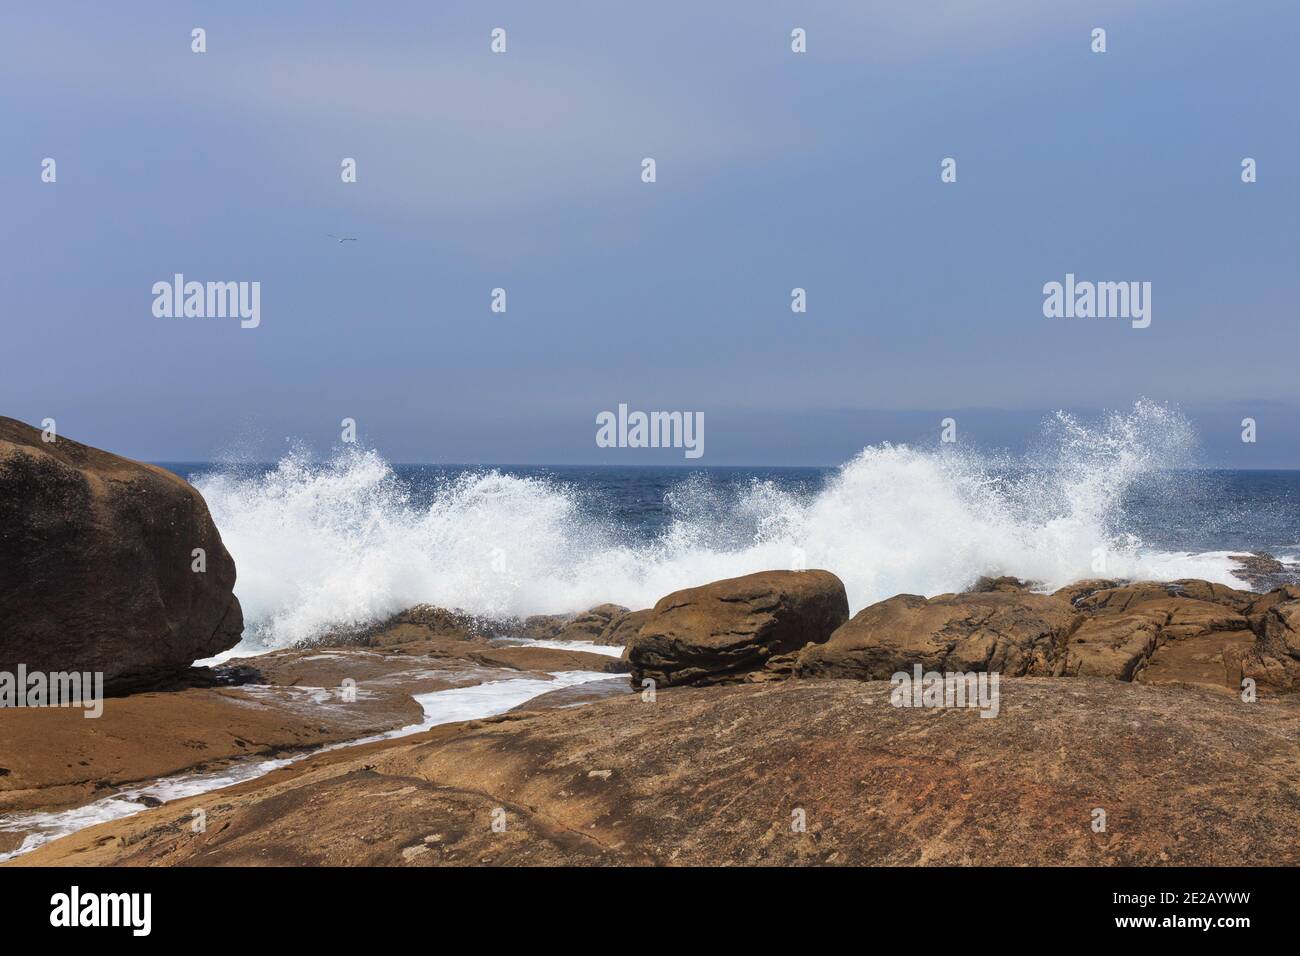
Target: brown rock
722 631
96 556
1212 660
985 584
539 627
1157 634
576 694
294 701
1082 589
1213 593
1190 617
1121 597
423 622
1274 661
714 775
550 659
420 668
1277 596
621 630
150 735
1282 629
1262 571
1012 633
1112 646
590 625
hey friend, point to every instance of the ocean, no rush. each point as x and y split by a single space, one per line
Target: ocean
351 538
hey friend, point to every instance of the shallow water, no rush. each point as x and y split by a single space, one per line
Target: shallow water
587 647
440 707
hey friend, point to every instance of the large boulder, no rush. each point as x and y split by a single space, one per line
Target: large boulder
724 631
96 556
1008 632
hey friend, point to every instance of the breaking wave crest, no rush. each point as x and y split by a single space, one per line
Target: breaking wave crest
345 542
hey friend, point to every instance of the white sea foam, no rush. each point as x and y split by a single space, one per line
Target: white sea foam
344 542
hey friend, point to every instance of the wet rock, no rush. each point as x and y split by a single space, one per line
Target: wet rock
60 759
577 694
301 698
1262 571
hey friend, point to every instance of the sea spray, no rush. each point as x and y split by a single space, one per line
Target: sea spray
345 542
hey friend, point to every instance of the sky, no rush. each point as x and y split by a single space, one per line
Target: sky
522 170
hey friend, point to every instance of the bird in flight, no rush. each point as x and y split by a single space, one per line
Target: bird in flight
341 238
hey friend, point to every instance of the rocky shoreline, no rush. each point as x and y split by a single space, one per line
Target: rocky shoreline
749 720
721 775
1120 696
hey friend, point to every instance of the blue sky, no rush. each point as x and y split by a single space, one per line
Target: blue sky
521 170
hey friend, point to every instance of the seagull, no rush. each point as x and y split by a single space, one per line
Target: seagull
342 238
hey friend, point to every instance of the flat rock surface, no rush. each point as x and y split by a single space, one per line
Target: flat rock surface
424 666
719 775
56 758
